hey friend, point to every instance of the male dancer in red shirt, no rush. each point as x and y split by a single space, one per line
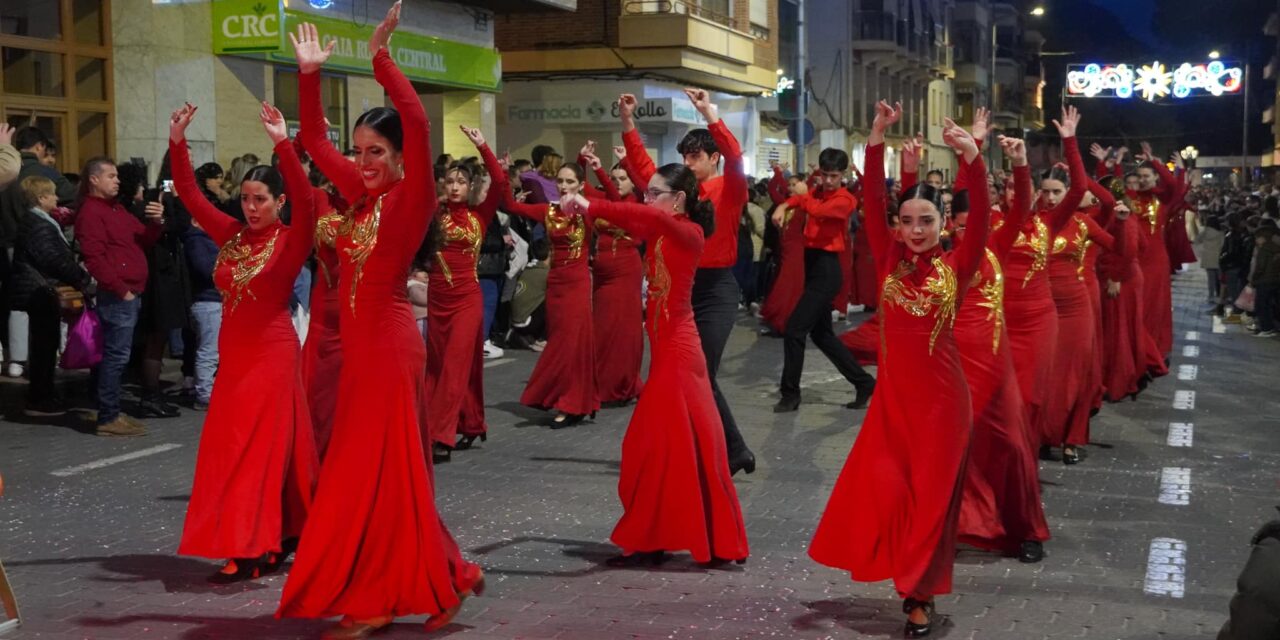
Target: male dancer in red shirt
715 290
826 236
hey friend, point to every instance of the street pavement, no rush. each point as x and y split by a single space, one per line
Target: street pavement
1149 531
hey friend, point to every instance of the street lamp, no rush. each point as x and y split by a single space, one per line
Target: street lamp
1190 154
1037 12
1214 55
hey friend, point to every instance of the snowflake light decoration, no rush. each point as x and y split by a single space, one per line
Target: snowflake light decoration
1153 81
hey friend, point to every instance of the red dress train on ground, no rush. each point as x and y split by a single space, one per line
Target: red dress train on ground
455 316
256 468
1001 506
894 509
565 377
674 482
374 544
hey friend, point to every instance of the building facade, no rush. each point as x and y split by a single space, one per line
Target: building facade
102 75
563 72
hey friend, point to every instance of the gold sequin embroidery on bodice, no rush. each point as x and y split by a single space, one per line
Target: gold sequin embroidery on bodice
938 296
364 237
572 226
1082 248
992 298
467 232
1038 247
326 234
659 283
617 232
1151 213
246 264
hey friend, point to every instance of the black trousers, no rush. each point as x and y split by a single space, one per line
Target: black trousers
715 308
812 319
42 357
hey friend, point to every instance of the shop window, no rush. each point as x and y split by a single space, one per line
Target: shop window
86 20
31 19
92 134
32 73
91 79
333 95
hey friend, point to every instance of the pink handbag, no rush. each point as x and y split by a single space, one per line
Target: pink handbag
84 342
1246 299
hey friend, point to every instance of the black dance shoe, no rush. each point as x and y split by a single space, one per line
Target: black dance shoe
565 420
863 398
465 442
745 461
1073 457
787 404
246 569
1046 452
1032 551
440 453
912 629
638 559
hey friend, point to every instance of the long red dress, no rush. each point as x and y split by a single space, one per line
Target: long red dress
1074 375
863 283
322 352
789 285
894 509
1001 506
565 377
617 308
1030 313
256 469
374 544
455 315
1153 209
674 482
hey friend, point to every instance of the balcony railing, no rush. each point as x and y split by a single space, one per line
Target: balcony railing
686 7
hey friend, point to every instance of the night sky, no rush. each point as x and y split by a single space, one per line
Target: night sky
1171 31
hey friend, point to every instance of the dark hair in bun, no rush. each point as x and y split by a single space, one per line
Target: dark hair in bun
681 179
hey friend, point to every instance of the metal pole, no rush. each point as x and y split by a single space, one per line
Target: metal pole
1244 144
801 64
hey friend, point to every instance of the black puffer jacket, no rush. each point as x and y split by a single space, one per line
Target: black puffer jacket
42 259
1255 609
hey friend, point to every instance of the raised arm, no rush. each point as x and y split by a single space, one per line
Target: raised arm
498 185
778 186
1062 213
301 234
313 129
877 226
910 162
1168 183
1002 239
638 220
642 167
968 256
419 168
220 226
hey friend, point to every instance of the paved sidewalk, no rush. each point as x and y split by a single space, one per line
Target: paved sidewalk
1148 536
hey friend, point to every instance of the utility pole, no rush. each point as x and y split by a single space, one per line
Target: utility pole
802 63
1244 144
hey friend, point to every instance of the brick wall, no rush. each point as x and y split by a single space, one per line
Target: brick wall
595 23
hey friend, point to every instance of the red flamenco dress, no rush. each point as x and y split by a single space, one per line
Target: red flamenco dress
674 482
863 290
1001 508
1030 313
1153 209
322 353
256 469
1128 350
565 377
455 315
617 308
789 285
893 512
374 544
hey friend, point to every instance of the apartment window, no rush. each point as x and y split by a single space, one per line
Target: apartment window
759 13
55 74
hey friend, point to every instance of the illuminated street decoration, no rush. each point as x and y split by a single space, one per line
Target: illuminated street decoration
1154 82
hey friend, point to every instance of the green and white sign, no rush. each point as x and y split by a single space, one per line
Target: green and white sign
243 26
250 27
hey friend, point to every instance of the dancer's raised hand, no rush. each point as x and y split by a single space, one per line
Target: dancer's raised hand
273 122
473 134
1015 149
182 116
382 33
1070 120
981 124
307 50
957 138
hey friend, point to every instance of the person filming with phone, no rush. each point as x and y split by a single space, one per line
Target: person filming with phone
114 243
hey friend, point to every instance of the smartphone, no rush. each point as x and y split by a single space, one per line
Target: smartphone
167 185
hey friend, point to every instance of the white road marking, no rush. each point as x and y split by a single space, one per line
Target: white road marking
1188 371
1193 336
1175 486
1181 434
1166 568
1185 400
106 462
1218 325
494 363
1191 351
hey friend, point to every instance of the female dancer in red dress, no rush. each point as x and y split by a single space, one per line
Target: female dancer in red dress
1070 403
894 508
322 353
674 485
789 285
1127 347
257 465
454 411
617 280
1030 314
565 377
374 547
1001 510
1153 203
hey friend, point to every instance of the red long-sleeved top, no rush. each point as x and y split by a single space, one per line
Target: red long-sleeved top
728 192
112 241
826 224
